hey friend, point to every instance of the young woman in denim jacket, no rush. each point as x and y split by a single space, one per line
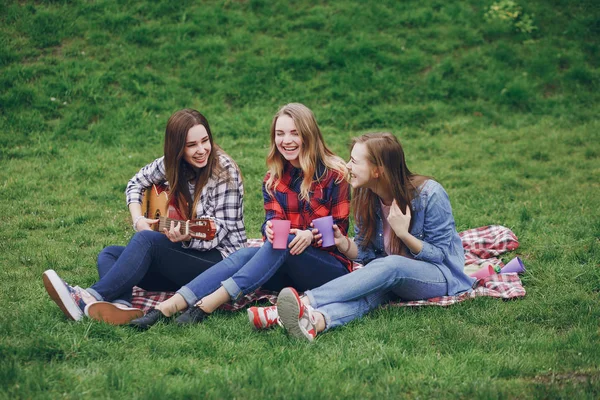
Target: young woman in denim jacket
404 234
305 181
203 181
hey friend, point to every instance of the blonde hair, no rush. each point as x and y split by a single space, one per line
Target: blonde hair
313 151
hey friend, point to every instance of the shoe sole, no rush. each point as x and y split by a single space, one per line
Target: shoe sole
59 293
290 312
109 313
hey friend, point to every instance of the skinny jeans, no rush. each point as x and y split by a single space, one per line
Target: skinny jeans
151 261
382 280
250 268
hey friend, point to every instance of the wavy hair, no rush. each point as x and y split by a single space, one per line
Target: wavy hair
178 171
313 151
385 153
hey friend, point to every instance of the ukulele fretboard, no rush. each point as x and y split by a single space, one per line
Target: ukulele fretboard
165 223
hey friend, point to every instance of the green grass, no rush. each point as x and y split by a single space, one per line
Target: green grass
506 121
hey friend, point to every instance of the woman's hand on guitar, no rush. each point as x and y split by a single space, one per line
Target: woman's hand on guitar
174 233
144 224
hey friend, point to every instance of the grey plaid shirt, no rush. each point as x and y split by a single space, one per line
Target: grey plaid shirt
223 200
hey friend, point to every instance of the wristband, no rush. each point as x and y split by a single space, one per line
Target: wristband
136 220
349 245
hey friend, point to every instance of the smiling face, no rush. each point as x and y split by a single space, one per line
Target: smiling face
363 174
197 147
287 139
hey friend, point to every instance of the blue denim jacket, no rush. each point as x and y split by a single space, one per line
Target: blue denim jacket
433 224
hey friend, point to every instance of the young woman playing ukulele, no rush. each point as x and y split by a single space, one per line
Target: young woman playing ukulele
203 181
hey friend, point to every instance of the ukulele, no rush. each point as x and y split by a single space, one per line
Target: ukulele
156 204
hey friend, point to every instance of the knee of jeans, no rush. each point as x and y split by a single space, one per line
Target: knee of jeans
268 244
151 237
248 251
144 234
110 251
241 256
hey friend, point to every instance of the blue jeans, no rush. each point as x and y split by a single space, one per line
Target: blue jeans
151 261
250 268
382 280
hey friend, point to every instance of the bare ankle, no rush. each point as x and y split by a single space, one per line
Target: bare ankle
214 300
172 305
320 321
203 307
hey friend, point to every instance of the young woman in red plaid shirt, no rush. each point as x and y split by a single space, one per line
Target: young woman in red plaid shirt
405 237
305 181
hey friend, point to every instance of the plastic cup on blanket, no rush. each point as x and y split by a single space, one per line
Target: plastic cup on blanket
325 227
281 231
514 265
486 270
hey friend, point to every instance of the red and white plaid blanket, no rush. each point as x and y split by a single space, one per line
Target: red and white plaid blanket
481 245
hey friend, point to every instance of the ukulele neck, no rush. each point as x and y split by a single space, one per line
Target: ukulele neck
165 223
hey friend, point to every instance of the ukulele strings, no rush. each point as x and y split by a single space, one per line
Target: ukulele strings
165 222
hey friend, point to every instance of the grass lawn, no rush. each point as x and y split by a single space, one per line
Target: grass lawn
501 107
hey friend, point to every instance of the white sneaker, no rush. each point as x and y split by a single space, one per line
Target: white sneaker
69 298
263 317
295 317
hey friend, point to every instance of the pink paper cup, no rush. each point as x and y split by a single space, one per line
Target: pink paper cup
484 271
281 231
325 227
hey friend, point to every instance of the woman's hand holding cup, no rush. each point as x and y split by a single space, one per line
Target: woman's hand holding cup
269 232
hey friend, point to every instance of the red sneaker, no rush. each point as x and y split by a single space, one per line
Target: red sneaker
263 317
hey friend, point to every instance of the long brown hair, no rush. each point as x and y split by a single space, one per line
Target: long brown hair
178 171
384 152
313 152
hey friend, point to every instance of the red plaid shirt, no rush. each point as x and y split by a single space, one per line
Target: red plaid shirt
328 196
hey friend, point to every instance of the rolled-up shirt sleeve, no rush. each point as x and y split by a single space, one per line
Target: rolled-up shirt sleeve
340 204
365 250
151 174
273 210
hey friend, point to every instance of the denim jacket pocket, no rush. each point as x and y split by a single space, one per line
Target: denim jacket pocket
418 226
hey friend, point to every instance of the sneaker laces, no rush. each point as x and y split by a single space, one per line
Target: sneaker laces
310 313
271 313
84 294
308 321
